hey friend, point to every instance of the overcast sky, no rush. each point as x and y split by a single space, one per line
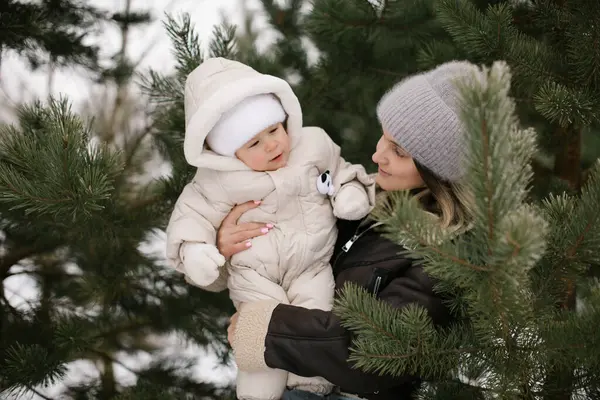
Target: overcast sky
21 84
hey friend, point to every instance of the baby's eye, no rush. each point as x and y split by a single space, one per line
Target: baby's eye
253 144
273 130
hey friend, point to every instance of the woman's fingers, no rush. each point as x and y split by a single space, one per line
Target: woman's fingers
234 242
245 236
237 247
233 237
251 226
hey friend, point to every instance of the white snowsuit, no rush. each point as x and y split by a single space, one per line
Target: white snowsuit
291 263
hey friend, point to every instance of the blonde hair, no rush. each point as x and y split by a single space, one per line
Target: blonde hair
450 203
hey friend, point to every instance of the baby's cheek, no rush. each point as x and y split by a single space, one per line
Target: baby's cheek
261 159
257 162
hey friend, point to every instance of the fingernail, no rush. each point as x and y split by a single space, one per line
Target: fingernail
256 201
269 226
248 243
264 230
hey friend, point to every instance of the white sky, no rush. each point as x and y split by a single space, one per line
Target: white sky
18 84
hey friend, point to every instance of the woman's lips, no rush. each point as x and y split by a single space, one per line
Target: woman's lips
382 172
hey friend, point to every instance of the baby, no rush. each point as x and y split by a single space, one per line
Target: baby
244 134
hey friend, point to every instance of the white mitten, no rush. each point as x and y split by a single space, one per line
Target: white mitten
202 262
351 203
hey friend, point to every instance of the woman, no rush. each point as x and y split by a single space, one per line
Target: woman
420 150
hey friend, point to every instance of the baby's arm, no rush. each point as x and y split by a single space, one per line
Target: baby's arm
354 190
191 237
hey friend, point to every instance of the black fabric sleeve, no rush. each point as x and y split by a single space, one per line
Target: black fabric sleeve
313 343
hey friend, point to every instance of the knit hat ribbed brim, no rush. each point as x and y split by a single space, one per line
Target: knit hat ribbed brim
422 113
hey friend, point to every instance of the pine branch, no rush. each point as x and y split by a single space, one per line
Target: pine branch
51 29
39 393
167 91
186 44
80 181
27 366
573 241
223 43
109 358
506 240
101 288
16 255
391 341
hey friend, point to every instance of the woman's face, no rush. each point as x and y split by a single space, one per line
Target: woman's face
397 170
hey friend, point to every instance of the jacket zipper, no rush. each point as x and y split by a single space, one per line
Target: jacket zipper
349 243
377 285
353 239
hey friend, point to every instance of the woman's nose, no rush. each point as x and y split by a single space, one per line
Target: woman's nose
377 158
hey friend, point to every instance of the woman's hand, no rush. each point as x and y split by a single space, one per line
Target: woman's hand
231 328
233 237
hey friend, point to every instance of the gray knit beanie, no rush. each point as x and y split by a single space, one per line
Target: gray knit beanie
422 113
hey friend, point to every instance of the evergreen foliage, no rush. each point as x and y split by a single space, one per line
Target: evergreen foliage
50 30
352 41
365 46
75 216
77 222
505 276
552 48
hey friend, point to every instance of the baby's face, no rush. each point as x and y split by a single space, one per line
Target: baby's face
267 151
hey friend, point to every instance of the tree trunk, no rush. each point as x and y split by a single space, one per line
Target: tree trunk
107 379
567 164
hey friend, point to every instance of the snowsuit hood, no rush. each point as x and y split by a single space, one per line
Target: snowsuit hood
216 86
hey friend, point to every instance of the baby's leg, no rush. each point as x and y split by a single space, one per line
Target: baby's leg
261 385
313 291
247 285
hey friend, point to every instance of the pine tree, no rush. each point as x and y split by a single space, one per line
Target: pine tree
505 276
50 31
363 47
76 215
552 48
